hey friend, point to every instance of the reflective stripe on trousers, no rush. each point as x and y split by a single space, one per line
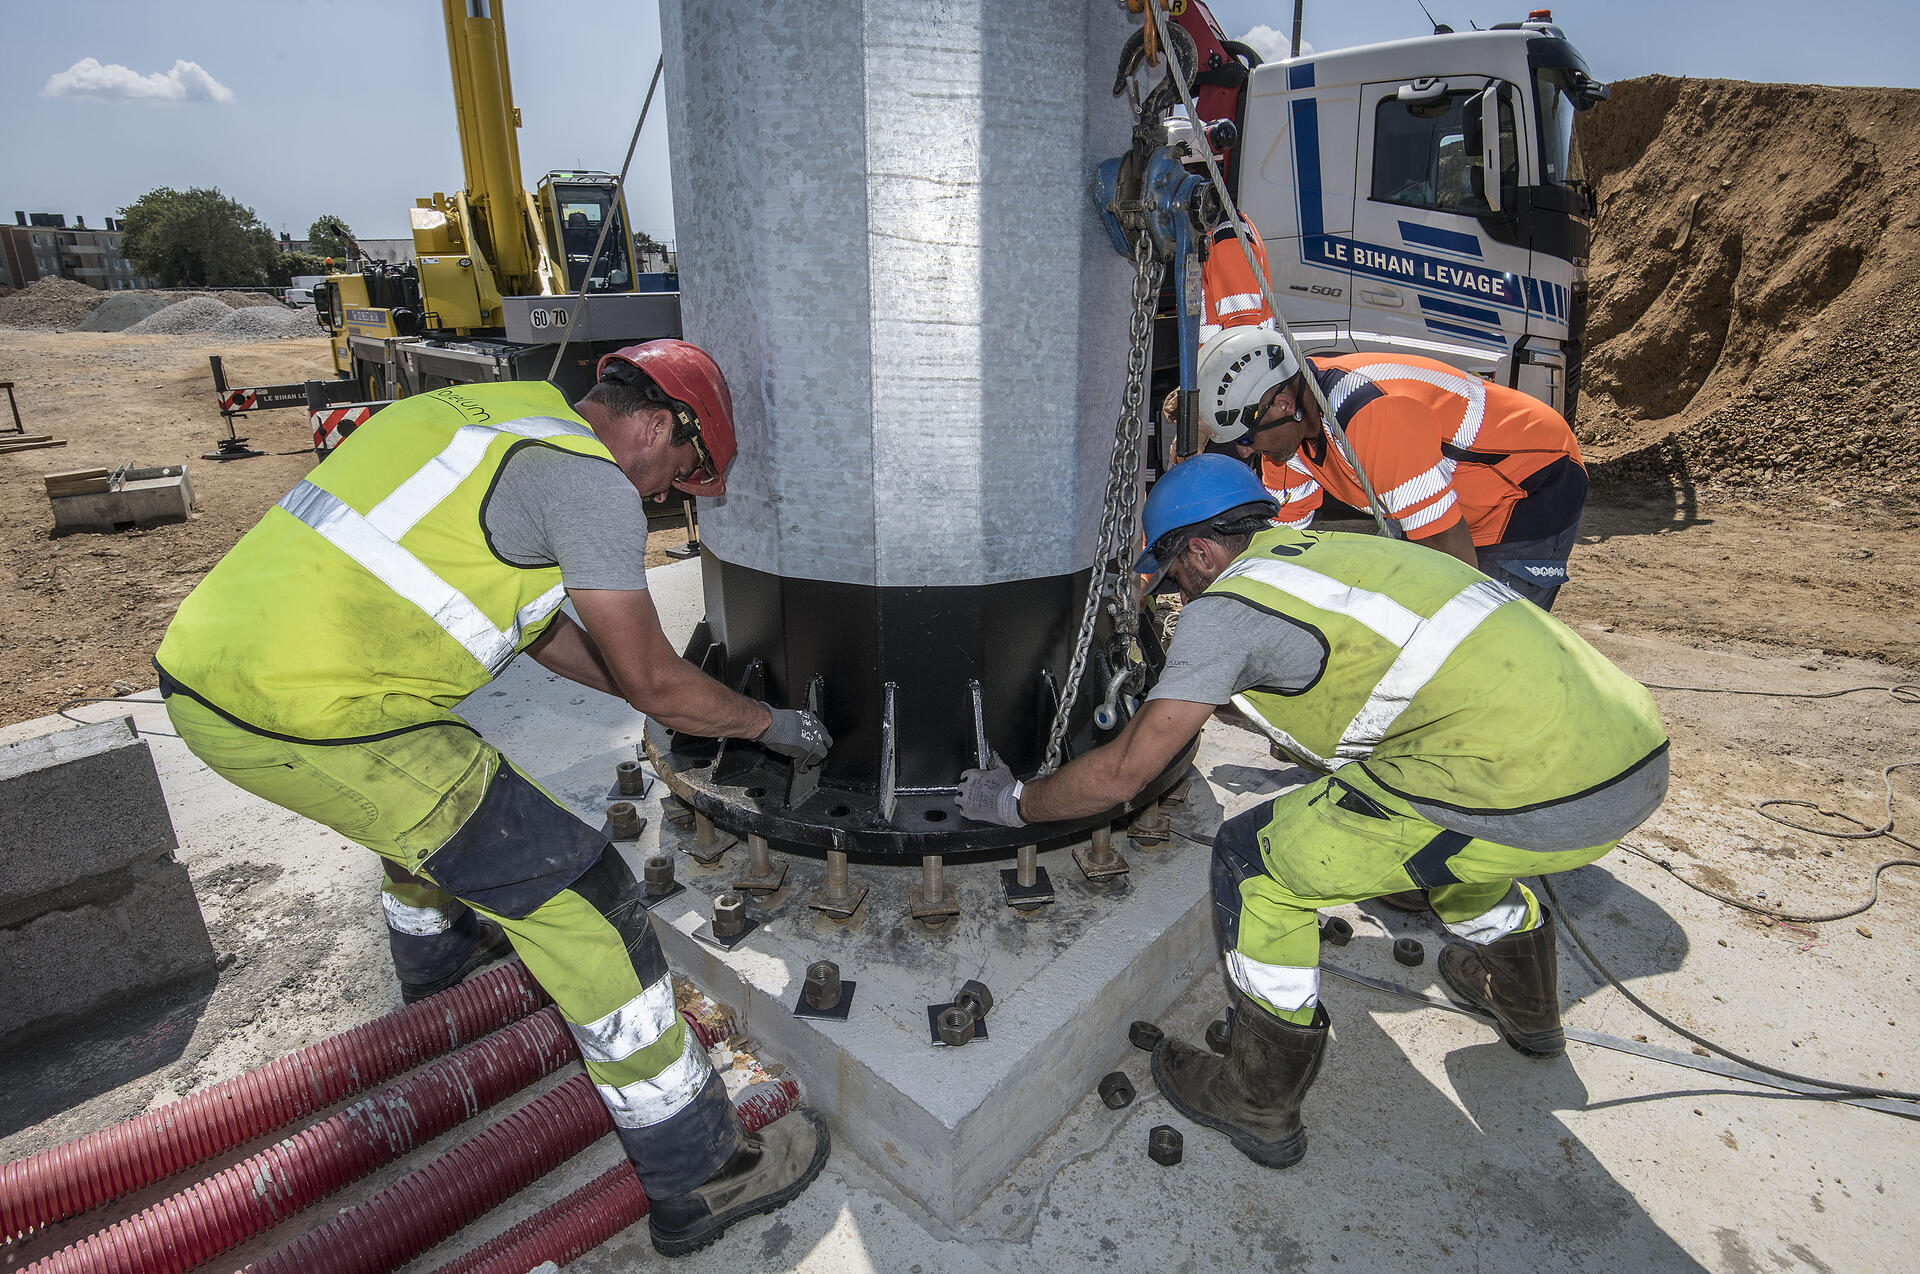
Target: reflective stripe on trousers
1425 645
418 922
372 540
1286 987
1508 916
650 1101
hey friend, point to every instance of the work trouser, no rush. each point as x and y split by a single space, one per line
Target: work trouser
1347 839
459 827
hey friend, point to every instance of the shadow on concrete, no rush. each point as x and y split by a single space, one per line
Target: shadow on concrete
54 1070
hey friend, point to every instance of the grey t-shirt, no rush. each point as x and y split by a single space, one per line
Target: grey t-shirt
555 507
1222 645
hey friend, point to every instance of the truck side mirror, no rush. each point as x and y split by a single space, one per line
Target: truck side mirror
1481 118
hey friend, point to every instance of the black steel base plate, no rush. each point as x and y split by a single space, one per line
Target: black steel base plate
649 901
933 1025
1019 895
705 934
745 794
838 1013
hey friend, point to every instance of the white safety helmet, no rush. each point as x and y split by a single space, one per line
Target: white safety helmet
1239 367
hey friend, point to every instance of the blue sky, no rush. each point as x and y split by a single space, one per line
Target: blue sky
343 106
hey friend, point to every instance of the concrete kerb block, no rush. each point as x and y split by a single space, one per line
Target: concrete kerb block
80 803
93 907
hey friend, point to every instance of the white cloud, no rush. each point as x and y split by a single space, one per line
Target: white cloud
186 82
1272 45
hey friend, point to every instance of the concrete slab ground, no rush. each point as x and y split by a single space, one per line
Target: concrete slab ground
1432 1146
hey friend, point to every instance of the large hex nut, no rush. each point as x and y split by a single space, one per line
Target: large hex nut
729 916
974 997
956 1025
823 984
1116 1090
1145 1036
657 875
1220 1035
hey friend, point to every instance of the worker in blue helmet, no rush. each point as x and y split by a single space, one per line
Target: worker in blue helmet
1463 738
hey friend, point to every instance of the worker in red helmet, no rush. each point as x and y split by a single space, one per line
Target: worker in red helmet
318 666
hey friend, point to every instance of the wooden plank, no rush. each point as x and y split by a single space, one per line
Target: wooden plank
8 448
74 475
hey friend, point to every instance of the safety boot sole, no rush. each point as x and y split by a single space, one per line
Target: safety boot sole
1543 1045
1283 1153
706 1232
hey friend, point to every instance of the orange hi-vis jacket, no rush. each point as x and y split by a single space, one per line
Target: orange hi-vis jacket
1438 444
1230 293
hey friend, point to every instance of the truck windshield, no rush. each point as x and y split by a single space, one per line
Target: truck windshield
1559 146
582 209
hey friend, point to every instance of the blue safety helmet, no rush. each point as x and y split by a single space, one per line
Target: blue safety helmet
1199 491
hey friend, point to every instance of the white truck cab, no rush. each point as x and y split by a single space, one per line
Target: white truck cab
1426 196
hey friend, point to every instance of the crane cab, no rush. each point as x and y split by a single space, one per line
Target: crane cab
573 208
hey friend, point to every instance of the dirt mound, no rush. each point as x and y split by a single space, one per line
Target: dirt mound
183 318
50 302
122 310
1752 287
266 323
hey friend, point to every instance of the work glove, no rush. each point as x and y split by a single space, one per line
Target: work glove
991 795
796 734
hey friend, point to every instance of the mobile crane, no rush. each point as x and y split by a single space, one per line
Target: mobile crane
499 273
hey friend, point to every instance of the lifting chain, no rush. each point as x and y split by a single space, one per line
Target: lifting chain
1113 578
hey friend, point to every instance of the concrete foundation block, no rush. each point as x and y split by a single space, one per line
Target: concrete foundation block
80 803
142 932
140 501
94 910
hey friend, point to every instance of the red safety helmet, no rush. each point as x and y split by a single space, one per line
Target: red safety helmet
690 386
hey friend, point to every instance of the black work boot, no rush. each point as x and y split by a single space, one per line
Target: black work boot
1515 978
490 943
770 1169
1253 1093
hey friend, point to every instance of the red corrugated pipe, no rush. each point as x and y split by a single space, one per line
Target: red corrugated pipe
598 1210
207 1219
423 1207
102 1166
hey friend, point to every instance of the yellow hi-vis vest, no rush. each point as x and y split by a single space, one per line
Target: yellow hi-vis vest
1446 685
370 598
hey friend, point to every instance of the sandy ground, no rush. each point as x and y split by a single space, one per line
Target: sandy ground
1783 564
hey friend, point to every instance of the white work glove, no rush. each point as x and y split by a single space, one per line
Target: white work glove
796 734
991 795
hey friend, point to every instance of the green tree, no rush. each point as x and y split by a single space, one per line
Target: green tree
288 264
197 238
329 236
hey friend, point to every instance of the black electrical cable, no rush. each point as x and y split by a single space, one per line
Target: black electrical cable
61 711
1839 1089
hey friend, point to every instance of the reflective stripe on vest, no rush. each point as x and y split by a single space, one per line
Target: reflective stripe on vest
1469 388
372 540
1424 646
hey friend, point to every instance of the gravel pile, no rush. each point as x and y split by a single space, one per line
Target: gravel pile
266 323
50 303
122 310
193 316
